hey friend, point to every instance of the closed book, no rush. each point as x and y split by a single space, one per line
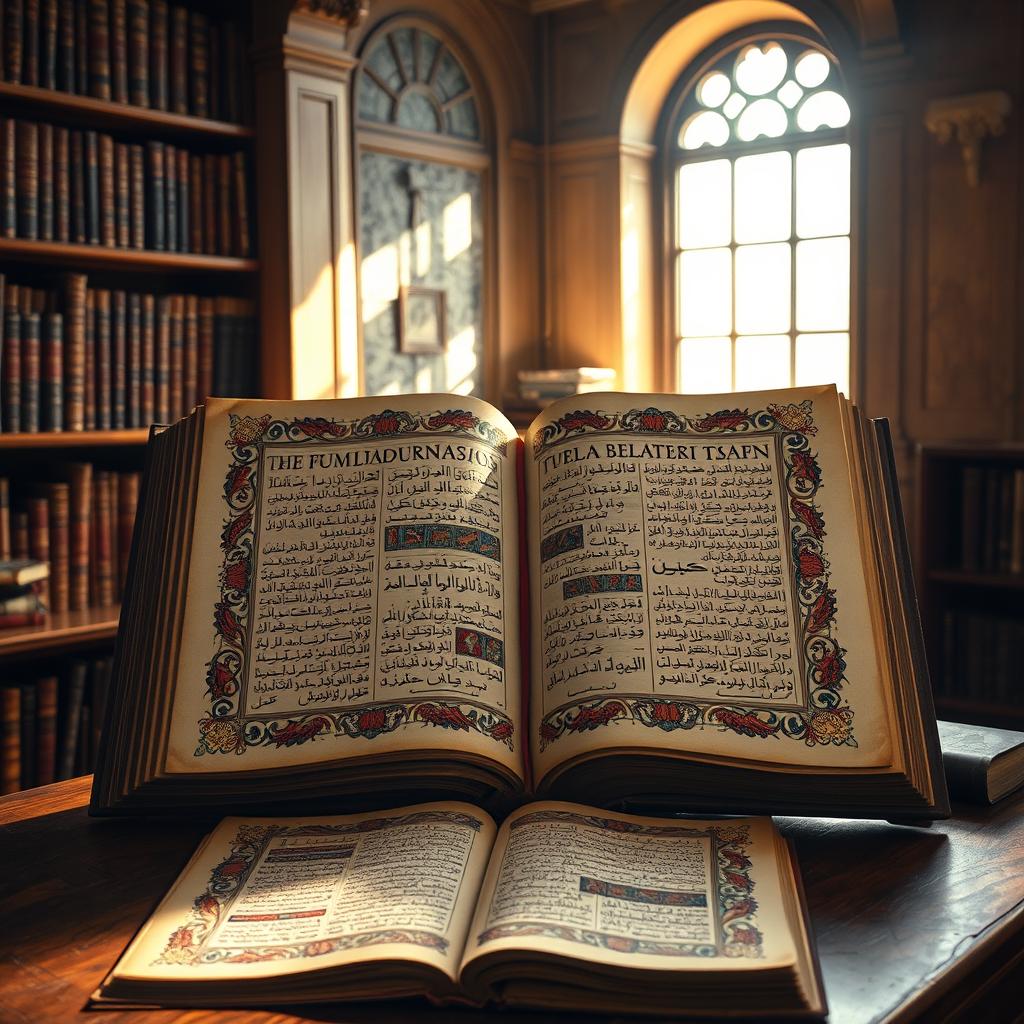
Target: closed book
122 195
10 736
138 52
148 376
225 209
5 519
14 18
51 405
127 501
48 45
108 212
176 401
90 359
210 203
158 31
30 44
60 545
70 717
190 385
204 383
119 359
27 599
20 619
19 537
81 48
45 163
199 70
93 229
183 200
231 51
216 66
61 185
8 177
46 730
137 198
103 361
178 44
27 178
162 375
171 198
102 562
66 45
38 510
195 202
79 227
119 51
112 535
74 351
99 49
243 243
133 332
982 764
156 211
28 735
10 370
31 358
80 528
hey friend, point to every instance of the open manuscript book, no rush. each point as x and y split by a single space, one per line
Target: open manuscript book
564 907
704 601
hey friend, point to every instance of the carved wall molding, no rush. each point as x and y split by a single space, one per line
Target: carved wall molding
970 120
348 12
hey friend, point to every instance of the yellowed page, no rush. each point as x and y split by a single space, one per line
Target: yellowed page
277 896
697 581
353 587
636 892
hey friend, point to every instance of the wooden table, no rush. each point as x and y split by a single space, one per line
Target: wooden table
910 923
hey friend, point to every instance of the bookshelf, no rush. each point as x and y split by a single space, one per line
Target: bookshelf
970 575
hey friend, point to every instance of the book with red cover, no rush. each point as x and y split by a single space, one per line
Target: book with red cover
148 376
61 185
108 213
46 182
183 200
122 194
133 397
27 178
80 529
137 198
162 375
243 242
5 519
59 493
10 734
101 563
74 351
170 198
119 359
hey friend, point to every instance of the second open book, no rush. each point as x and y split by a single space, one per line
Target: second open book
698 601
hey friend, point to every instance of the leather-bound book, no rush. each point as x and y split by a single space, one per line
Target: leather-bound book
93 226
8 177
104 360
10 737
195 202
19 535
127 501
170 198
133 395
138 52
5 519
60 545
178 43
99 49
80 498
30 44
231 52
61 185
27 178
46 181
122 195
177 368
66 45
243 242
119 359
148 375
48 44
10 368
216 101
204 383
46 730
226 210
74 351
28 735
31 357
51 404
190 384
108 211
14 19
70 718
210 203
183 200
102 562
79 227
162 375
111 526
199 63
119 51
81 47
156 209
137 195
158 32
38 510
90 359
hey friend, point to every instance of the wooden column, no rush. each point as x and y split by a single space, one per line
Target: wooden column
308 294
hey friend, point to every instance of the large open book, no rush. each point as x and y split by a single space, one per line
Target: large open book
564 907
698 600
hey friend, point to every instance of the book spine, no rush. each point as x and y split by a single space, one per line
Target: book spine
61 186
78 199
27 178
199 52
158 31
177 371
66 45
195 202
81 49
17 620
231 47
111 527
60 541
74 352
163 360
210 203
183 201
52 402
48 45
204 383
104 402
30 44
31 344
190 386
10 721
138 52
133 396
8 177
156 215
243 244
108 211
148 378
179 60
102 530
39 540
71 718
119 360
45 163
224 239
119 50
19 535
14 16
215 65
46 730
137 186
90 359
171 198
99 49
127 502
80 501
92 188
28 735
10 372
122 195
5 519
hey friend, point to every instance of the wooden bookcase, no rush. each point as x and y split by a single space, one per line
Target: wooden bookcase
970 577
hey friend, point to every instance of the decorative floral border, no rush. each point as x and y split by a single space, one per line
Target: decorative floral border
738 935
186 943
224 730
827 717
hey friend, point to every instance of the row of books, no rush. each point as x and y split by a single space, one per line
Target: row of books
65 185
81 358
980 657
142 52
51 724
992 519
79 518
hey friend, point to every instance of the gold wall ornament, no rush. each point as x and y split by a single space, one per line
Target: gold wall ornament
351 12
969 119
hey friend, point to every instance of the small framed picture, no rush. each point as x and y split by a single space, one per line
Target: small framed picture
421 320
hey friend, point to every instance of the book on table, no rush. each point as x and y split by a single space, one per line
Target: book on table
681 602
563 907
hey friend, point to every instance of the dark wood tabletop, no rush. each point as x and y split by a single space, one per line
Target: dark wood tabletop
911 923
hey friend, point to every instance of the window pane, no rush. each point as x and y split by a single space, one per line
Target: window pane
705 365
705 127
762 362
759 71
763 196
823 359
762 117
823 110
703 199
823 191
705 292
762 288
822 285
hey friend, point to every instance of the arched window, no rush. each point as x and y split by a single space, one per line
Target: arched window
760 163
423 173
